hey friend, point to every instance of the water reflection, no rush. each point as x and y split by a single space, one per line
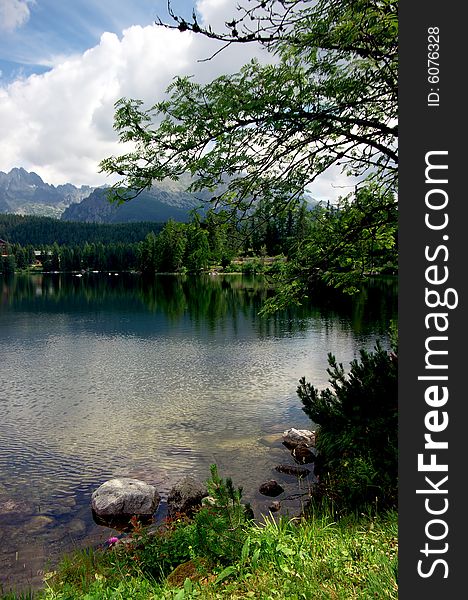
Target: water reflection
106 375
206 300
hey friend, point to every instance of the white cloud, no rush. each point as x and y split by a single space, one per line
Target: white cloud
332 184
60 124
13 14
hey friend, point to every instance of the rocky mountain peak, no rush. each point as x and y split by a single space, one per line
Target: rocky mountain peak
24 192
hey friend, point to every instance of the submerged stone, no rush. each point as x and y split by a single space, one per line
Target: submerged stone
271 440
76 527
271 488
37 523
19 507
303 454
291 470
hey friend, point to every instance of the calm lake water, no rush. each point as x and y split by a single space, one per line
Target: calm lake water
104 376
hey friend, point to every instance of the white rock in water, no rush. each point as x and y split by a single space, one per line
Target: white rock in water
293 437
125 496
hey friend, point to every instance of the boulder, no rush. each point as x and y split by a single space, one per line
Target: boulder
274 506
193 570
291 470
303 454
186 496
293 437
271 488
117 500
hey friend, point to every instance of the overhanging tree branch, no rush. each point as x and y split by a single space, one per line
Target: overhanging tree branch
265 133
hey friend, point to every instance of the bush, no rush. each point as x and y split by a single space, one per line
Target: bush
220 527
253 266
215 535
158 554
358 430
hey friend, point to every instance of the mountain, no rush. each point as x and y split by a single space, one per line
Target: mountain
165 200
25 193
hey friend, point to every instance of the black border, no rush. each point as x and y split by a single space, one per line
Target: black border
424 128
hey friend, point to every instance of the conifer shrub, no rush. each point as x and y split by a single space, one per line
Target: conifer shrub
220 527
357 435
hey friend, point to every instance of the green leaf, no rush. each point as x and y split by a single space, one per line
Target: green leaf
285 550
225 573
188 585
180 595
255 557
263 134
245 550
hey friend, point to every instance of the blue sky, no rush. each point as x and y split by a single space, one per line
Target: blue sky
64 64
57 28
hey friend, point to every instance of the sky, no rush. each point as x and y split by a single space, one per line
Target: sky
64 63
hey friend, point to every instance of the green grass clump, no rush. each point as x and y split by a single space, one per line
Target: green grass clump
320 558
343 548
314 557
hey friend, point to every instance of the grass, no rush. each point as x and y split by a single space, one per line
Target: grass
333 553
353 558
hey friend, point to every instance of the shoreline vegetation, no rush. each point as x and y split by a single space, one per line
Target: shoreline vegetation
257 139
314 557
220 551
344 544
239 266
264 242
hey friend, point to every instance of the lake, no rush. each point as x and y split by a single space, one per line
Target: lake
106 375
